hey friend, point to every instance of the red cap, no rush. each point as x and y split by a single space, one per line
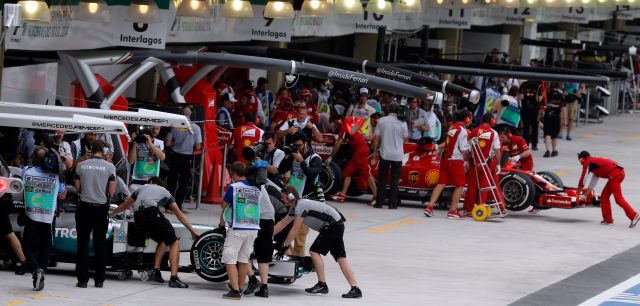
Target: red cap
305 92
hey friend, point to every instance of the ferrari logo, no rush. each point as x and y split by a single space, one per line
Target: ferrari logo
414 177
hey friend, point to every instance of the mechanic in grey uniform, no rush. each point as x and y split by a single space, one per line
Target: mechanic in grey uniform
183 144
96 183
329 223
146 201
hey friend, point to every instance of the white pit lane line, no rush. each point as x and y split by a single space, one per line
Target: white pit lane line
625 293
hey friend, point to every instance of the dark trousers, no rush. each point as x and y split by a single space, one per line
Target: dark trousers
179 176
91 219
37 239
530 126
383 170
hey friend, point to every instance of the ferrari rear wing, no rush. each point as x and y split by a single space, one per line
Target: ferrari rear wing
140 117
76 123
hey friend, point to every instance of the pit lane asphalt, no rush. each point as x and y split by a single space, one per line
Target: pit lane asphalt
402 258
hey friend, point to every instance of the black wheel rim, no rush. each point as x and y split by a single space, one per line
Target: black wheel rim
211 255
325 180
513 191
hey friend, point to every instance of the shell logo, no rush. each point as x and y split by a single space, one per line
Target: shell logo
432 177
247 142
482 144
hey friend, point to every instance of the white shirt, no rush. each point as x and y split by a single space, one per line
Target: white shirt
462 143
300 125
361 112
495 145
392 133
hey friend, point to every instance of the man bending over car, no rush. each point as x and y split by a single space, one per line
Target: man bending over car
146 201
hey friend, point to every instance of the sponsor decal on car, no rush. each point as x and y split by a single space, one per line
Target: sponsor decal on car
432 177
414 177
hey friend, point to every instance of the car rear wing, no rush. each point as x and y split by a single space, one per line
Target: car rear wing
140 117
77 123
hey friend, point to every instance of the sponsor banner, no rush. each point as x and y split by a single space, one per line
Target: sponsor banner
64 33
518 15
565 14
218 28
445 18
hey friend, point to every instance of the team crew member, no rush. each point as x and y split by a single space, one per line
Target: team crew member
6 202
183 145
362 109
246 135
489 143
42 190
306 98
551 114
329 223
81 148
146 201
531 92
388 146
572 101
517 149
266 98
240 212
302 123
359 160
281 108
452 166
608 169
145 153
96 183
223 115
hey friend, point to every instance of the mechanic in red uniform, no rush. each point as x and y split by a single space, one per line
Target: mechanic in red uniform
306 97
359 161
517 148
248 103
282 108
489 143
452 165
246 135
601 167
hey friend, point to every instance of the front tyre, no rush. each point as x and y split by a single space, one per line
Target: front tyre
551 178
331 178
519 191
206 256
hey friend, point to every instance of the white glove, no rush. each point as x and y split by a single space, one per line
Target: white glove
328 160
515 159
498 168
583 197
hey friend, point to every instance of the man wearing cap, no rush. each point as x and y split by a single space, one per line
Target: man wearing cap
601 167
306 98
223 115
361 109
183 145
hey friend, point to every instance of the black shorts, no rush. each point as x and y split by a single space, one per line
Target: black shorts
5 223
157 226
551 126
263 245
330 239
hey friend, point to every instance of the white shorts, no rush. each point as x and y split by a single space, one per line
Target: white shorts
238 246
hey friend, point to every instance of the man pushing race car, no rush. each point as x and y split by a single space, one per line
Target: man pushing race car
601 167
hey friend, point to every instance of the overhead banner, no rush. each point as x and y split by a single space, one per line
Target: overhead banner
218 28
64 33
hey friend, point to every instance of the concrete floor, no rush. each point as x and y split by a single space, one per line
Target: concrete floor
402 258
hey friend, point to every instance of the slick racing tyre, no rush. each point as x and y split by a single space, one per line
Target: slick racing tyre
552 178
206 256
331 178
519 191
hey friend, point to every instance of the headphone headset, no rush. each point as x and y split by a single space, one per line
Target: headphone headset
290 196
466 120
492 122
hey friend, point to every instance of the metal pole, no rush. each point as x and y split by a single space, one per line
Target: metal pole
202 154
224 163
424 42
586 117
382 31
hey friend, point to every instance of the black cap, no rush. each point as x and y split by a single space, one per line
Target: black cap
583 154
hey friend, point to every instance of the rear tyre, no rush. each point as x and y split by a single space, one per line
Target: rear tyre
331 178
552 178
206 257
519 191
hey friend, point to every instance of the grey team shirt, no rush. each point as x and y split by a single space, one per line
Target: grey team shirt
315 214
94 175
150 195
183 142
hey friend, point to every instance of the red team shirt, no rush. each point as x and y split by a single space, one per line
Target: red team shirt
246 136
517 146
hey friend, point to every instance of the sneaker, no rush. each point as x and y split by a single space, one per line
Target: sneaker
634 221
99 284
534 210
318 288
606 222
81 285
38 280
354 293
554 153
535 148
232 295
22 268
546 154
263 292
373 202
428 212
454 214
253 284
157 276
175 282
338 197
569 138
